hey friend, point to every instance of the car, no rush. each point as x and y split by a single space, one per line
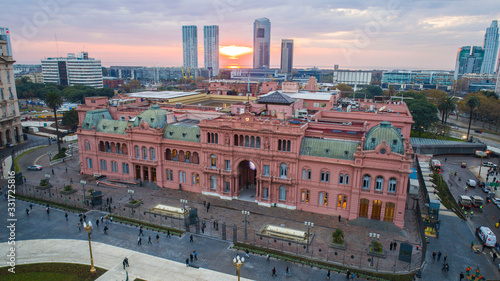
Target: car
9 144
495 200
478 131
486 236
489 164
35 168
471 183
454 128
463 165
485 188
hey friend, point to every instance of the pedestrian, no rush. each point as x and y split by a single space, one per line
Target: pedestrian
139 240
102 219
287 271
348 275
97 222
208 206
444 267
247 253
123 264
168 233
48 210
340 218
462 276
79 227
328 274
110 200
107 200
434 255
445 257
106 230
445 159
157 238
149 239
187 262
66 169
273 272
395 246
31 208
52 171
66 216
195 255
472 244
447 268
97 183
191 238
191 257
268 258
439 255
140 231
85 217
27 211
353 276
390 246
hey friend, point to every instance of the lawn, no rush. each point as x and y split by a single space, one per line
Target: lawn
52 272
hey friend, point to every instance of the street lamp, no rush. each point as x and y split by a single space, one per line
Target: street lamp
47 176
186 213
308 225
245 213
373 236
83 187
88 228
238 262
480 166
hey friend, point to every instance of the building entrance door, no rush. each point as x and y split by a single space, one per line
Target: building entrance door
377 208
153 174
389 211
146 173
137 172
363 208
247 181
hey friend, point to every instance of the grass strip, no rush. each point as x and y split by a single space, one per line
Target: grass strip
154 227
445 195
52 204
51 271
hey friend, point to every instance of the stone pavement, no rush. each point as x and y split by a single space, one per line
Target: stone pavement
356 232
109 257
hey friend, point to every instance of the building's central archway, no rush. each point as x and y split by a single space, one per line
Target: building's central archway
247 181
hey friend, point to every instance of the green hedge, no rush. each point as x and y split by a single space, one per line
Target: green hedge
154 227
51 271
53 204
322 264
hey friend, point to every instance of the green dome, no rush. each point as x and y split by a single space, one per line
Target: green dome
384 132
155 117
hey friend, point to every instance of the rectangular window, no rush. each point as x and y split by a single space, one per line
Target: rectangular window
196 179
103 165
170 175
306 104
316 104
282 196
125 168
265 193
182 177
226 187
89 163
114 167
304 174
266 170
304 196
213 182
323 199
309 174
228 165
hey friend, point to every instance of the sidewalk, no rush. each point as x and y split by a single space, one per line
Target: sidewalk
109 257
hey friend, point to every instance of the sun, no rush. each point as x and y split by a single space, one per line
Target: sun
234 51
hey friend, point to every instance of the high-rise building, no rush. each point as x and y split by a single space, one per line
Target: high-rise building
4 32
10 118
497 88
73 70
469 60
261 43
211 48
490 48
190 46
286 56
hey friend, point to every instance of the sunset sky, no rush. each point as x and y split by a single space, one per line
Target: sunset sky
361 34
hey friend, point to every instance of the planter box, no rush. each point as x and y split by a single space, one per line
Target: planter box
68 192
134 205
45 187
338 246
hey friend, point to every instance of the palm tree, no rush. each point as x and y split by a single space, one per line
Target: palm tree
472 102
54 100
446 105
338 236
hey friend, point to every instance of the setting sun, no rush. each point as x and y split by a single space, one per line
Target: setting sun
234 51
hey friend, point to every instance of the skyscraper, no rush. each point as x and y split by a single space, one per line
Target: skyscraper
261 43
286 56
211 48
5 34
190 46
490 48
469 60
73 70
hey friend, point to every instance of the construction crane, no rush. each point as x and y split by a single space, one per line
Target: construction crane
189 74
183 74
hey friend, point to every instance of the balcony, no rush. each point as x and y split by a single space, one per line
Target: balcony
211 170
283 180
180 164
5 117
144 161
113 154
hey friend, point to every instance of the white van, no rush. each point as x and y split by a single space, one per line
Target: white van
436 164
486 236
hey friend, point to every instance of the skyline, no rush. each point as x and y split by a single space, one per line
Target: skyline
362 35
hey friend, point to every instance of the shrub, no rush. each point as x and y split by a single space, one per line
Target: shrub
338 236
68 188
44 182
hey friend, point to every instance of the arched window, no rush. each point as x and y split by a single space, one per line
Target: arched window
304 174
389 211
247 142
257 142
213 161
119 148
187 157
304 195
341 179
101 146
346 179
174 154
279 144
153 154
241 140
392 185
282 193
144 153
168 154
309 174
87 145
288 144
284 145
208 138
108 147
196 179
379 183
195 158
216 138
323 199
235 140
342 202
213 182
137 152
124 149
283 171
366 181
252 141
325 176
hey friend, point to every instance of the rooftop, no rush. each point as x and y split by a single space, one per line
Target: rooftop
162 94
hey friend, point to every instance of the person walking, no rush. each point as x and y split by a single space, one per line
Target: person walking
27 211
462 276
48 210
273 272
106 230
66 216
187 262
157 238
31 207
79 227
191 238
168 233
149 239
208 206
52 171
191 257
390 246
247 253
348 275
139 240
268 258
140 231
445 257
97 222
195 255
328 274
434 255
287 271
340 218
439 255
123 264
66 169
395 245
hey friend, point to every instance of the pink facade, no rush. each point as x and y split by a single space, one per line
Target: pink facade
342 163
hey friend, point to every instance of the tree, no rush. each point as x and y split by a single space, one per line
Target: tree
344 89
131 86
70 118
53 100
446 105
471 103
30 94
338 236
424 113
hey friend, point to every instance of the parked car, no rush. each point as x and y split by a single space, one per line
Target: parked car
9 144
486 236
489 164
478 131
485 188
463 165
471 183
454 128
35 168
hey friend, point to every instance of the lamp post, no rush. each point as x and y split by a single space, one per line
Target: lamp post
308 225
50 156
88 228
47 176
246 213
238 262
83 187
480 166
373 236
186 213
131 192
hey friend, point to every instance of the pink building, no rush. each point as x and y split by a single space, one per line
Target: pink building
353 164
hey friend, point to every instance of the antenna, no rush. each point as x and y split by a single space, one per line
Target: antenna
57 46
